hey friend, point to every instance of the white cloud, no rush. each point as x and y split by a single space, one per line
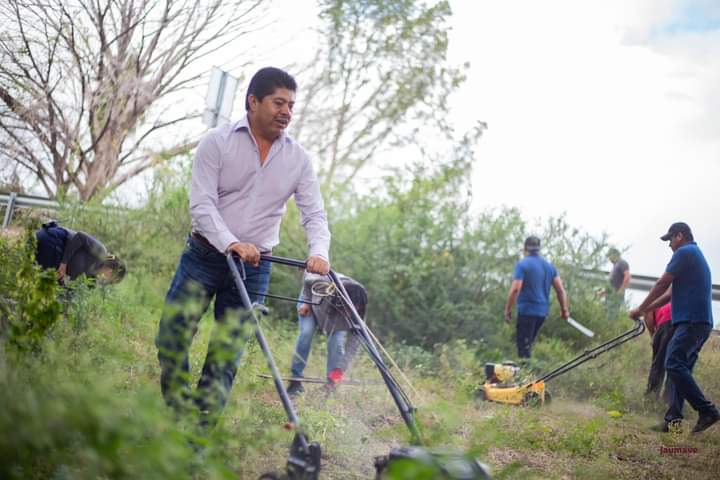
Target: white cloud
605 110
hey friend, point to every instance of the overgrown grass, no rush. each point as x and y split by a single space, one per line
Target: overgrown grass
84 401
89 406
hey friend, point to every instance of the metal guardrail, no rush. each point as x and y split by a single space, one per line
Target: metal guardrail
13 200
644 282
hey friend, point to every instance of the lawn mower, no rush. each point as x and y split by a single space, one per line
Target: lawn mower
500 385
304 459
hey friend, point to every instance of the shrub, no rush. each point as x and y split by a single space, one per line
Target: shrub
29 307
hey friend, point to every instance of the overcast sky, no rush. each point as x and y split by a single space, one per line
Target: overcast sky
606 111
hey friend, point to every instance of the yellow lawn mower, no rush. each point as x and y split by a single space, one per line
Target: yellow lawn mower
501 385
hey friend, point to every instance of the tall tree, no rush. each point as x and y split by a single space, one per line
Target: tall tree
380 74
81 83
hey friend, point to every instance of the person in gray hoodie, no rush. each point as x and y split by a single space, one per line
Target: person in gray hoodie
73 254
320 308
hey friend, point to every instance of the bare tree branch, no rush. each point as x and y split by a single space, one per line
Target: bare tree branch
85 80
380 75
152 160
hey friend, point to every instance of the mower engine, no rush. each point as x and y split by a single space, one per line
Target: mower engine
502 374
501 386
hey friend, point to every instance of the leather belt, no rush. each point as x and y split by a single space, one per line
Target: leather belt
205 242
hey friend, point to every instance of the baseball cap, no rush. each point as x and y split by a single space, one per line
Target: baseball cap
677 227
532 244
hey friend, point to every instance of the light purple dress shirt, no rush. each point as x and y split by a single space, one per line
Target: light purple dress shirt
235 199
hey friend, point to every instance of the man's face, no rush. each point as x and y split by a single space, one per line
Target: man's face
676 241
271 115
613 258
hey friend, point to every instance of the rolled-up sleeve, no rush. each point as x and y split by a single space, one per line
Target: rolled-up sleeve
312 212
204 212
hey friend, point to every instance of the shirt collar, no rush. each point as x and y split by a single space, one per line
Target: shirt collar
244 123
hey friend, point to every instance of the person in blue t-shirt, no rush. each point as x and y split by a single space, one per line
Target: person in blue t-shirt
688 275
532 279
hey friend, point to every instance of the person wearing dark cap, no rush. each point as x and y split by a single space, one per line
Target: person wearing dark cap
688 283
532 279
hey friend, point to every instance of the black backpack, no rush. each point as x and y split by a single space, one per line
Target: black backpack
51 241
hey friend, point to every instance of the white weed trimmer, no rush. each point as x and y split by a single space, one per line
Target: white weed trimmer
584 330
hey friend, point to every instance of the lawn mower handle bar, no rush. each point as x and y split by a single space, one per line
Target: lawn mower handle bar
594 352
359 328
247 303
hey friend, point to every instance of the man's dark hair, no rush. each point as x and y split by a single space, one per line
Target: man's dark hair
532 244
358 296
613 252
265 81
117 266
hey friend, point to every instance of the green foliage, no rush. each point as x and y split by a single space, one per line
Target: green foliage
380 80
65 428
28 306
89 407
435 271
581 439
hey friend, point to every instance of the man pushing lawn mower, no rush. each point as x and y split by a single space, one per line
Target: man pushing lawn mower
689 275
243 175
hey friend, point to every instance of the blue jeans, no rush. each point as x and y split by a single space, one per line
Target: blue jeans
335 346
682 353
202 274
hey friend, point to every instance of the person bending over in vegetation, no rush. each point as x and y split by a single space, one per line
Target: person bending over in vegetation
243 175
74 254
688 274
532 279
660 328
327 313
